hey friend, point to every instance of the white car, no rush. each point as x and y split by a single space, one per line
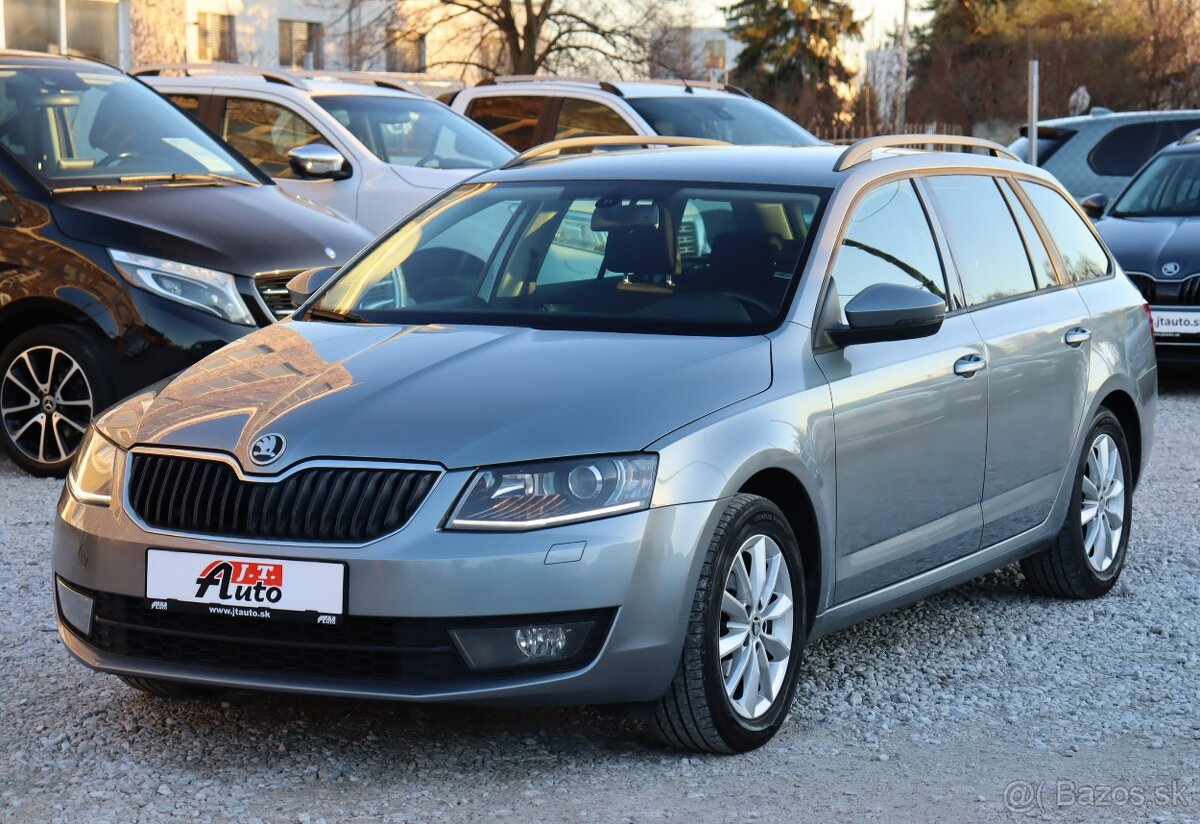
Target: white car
370 147
527 110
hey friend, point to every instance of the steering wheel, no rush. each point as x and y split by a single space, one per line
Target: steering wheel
427 160
113 158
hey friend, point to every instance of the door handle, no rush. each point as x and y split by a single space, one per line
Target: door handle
968 365
1077 336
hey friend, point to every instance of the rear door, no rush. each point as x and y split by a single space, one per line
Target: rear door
1035 330
910 416
518 120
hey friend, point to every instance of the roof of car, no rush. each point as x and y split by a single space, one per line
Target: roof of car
19 57
622 88
752 165
1105 117
313 86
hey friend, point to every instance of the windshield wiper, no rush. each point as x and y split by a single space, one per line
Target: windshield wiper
212 178
317 313
98 187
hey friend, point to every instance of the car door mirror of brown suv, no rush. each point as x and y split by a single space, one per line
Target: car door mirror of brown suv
889 312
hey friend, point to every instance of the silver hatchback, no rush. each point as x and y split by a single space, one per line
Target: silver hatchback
543 444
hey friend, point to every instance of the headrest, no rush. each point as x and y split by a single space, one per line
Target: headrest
641 240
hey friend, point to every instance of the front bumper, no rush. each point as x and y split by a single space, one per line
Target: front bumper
637 575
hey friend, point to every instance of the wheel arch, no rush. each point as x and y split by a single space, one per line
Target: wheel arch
21 316
786 491
1121 404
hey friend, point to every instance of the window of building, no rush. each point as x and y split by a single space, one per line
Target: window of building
888 240
984 242
92 27
217 38
405 51
301 41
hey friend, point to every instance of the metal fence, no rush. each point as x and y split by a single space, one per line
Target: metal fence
843 134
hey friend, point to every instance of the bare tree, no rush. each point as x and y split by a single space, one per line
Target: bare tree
157 36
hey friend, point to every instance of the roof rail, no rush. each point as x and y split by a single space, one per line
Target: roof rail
550 78
282 76
702 84
364 78
863 149
557 147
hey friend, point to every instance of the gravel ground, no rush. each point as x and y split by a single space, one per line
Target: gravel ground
955 709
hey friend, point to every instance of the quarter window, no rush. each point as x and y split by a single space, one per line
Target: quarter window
265 132
585 118
1039 256
1082 254
1122 151
512 119
987 249
888 240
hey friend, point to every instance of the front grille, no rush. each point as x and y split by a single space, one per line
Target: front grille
272 288
318 505
400 651
1184 292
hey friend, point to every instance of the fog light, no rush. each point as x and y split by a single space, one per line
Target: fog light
499 647
541 642
75 607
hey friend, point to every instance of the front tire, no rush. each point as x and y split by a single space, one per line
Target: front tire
1087 557
745 636
173 690
53 380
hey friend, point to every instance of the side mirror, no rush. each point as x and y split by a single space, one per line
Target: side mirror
302 286
1094 205
317 161
887 312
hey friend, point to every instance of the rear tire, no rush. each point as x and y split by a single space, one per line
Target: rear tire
1086 558
167 689
720 703
53 380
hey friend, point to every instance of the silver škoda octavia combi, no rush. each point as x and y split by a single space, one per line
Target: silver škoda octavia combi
631 427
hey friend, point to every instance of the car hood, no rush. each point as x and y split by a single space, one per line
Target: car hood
433 179
236 229
1147 244
461 396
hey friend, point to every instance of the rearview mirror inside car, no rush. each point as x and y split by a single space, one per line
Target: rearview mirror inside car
1094 205
315 161
302 286
888 312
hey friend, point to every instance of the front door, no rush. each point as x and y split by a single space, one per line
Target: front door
910 417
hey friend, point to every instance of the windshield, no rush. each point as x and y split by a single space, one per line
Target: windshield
408 131
608 256
729 118
1168 186
74 127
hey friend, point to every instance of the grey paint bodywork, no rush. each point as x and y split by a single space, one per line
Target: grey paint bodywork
910 487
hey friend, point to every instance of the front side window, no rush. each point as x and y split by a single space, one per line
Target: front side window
587 118
600 255
730 118
72 127
265 132
408 131
888 240
512 119
987 248
1082 254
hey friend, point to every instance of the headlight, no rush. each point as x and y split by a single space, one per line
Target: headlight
91 477
538 495
204 289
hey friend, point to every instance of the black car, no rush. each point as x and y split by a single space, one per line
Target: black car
1153 228
132 243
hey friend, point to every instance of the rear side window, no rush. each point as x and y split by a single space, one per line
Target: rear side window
586 118
1081 252
512 119
888 240
265 132
1039 256
1122 151
984 241
190 103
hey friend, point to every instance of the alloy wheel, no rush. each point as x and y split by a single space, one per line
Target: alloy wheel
755 642
45 404
1102 508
